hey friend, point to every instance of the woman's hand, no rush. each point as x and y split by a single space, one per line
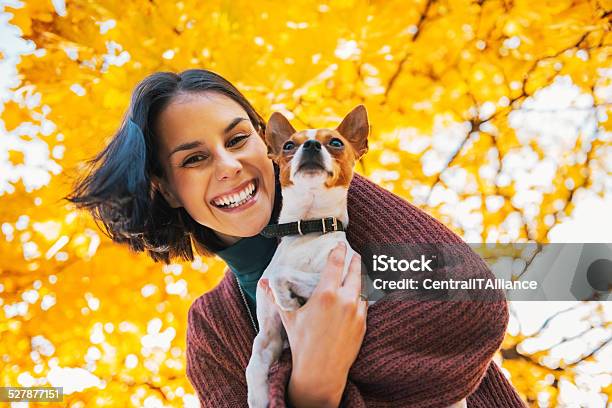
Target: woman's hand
325 334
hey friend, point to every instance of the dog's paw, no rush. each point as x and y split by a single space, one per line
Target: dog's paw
285 298
289 304
258 399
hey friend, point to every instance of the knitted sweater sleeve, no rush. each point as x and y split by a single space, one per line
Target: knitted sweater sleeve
217 378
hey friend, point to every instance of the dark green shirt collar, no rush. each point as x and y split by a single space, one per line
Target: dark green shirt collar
247 259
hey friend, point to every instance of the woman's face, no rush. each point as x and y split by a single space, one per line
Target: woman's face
215 165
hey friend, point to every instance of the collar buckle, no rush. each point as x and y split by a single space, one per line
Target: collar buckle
334 224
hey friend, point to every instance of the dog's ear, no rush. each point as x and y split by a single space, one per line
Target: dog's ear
356 128
278 131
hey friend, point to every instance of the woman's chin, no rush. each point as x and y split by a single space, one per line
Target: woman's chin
251 218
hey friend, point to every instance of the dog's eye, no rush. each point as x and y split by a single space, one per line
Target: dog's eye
288 145
335 142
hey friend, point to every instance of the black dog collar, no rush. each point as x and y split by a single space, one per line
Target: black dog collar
324 225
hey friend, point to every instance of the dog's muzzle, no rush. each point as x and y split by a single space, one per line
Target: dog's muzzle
312 157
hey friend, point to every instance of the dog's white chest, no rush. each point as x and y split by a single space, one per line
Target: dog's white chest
304 253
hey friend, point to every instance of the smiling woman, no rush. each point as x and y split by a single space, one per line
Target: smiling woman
198 140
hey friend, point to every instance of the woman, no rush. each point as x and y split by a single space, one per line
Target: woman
191 140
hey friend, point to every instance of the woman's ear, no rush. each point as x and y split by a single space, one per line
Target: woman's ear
160 185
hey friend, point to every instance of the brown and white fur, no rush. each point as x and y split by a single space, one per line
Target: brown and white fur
316 168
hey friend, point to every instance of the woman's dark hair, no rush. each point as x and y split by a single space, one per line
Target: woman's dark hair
117 190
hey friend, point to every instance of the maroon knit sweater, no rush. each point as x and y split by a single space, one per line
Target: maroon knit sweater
414 353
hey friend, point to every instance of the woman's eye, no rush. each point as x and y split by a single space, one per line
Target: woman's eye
194 159
237 140
288 146
335 142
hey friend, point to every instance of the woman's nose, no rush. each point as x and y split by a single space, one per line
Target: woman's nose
227 166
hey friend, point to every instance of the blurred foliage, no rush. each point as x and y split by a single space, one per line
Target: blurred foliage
456 68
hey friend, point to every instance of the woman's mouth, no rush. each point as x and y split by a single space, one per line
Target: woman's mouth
241 199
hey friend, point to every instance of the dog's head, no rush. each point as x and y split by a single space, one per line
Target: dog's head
318 156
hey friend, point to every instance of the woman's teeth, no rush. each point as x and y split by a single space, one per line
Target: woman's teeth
237 199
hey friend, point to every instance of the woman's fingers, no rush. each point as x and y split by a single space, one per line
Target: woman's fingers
352 289
331 276
352 281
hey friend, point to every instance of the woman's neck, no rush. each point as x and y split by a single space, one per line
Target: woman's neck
228 240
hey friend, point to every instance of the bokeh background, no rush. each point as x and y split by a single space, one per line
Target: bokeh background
493 116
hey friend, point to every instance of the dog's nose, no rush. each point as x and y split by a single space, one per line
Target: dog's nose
312 145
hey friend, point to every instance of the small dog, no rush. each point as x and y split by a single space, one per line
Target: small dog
316 169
